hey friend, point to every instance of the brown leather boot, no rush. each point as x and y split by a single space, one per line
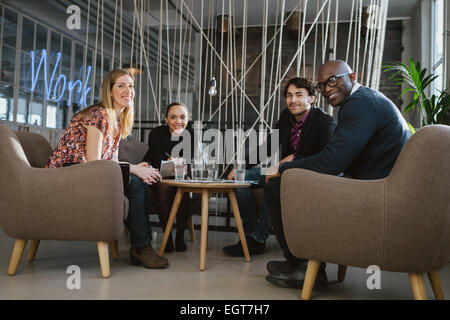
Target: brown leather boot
147 257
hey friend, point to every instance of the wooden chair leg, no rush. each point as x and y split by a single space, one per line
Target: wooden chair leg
103 254
418 286
204 229
114 249
310 279
173 213
34 245
436 285
238 220
19 247
341 272
191 229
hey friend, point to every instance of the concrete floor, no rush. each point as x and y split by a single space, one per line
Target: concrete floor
225 277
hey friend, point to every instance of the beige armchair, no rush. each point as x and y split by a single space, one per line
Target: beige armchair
400 223
83 202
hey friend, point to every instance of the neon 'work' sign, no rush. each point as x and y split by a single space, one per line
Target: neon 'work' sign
61 81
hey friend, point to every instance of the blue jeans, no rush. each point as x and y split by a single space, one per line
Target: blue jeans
258 229
137 221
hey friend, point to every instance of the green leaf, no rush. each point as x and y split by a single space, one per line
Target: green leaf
411 128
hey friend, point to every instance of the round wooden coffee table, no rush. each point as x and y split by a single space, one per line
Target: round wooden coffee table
205 188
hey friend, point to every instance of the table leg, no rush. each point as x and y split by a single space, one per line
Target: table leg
173 213
204 229
237 218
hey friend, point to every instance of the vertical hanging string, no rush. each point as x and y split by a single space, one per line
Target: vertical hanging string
315 45
189 53
336 30
120 37
272 64
142 43
299 57
350 31
205 77
235 61
244 56
168 51
263 60
101 46
230 63
132 61
147 100
174 48
159 82
94 63
114 38
325 39
199 116
86 44
355 36
371 48
278 70
211 57
368 28
303 36
180 55
359 36
221 57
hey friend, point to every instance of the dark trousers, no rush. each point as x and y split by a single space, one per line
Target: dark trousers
165 195
137 221
273 203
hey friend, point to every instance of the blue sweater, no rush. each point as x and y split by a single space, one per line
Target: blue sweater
369 136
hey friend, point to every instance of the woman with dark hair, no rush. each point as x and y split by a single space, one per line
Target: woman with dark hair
94 134
161 143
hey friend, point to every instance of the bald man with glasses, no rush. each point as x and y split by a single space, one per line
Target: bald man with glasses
369 136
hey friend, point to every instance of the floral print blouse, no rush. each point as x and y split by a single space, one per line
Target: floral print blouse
72 145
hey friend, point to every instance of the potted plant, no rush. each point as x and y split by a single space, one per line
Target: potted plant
435 108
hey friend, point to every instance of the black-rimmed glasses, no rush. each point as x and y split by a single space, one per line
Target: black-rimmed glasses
331 81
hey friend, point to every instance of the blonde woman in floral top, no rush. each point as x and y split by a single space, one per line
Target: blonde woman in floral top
94 134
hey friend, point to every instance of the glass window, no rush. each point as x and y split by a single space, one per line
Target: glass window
438 45
27 35
8 63
41 37
10 28
23 110
51 120
25 70
6 102
66 53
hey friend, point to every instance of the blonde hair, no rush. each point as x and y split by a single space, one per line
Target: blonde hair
126 118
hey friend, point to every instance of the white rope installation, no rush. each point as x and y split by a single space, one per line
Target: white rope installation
173 54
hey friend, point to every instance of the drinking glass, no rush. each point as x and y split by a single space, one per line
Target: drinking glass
239 170
212 168
180 167
197 169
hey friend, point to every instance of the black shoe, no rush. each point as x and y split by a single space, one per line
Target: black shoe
254 247
296 279
277 267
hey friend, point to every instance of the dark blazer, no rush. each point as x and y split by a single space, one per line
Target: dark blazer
160 145
317 131
369 136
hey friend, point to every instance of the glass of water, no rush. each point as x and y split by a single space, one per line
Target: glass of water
212 168
239 170
180 168
197 169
